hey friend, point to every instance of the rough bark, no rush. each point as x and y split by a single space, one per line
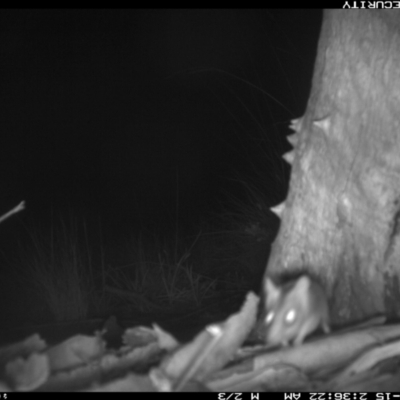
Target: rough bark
341 220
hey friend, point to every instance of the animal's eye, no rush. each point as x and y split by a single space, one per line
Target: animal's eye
270 316
290 316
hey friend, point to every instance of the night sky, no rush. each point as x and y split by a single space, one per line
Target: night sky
123 114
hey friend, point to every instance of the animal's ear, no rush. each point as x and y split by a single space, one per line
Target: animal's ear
303 283
272 291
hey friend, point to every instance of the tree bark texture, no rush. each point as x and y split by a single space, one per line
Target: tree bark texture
341 220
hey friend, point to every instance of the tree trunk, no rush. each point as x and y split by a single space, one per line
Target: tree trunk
341 220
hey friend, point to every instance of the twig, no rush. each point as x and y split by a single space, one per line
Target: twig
18 208
201 355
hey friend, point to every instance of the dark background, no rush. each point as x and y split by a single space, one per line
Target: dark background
142 117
